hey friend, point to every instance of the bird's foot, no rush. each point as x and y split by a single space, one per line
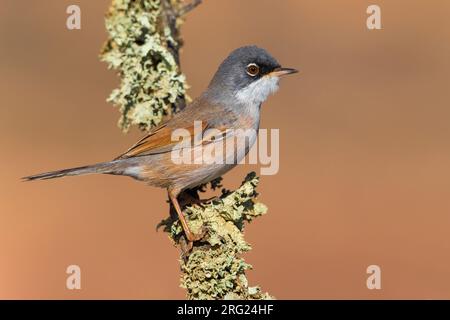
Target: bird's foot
199 236
187 243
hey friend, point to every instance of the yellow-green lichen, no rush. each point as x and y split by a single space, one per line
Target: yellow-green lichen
215 269
142 46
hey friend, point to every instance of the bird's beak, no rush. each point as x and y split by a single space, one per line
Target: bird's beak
277 72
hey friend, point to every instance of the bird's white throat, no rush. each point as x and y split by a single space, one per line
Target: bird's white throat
258 91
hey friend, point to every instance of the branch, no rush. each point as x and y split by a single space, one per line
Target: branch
143 46
189 7
215 269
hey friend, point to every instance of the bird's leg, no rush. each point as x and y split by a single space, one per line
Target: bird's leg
189 235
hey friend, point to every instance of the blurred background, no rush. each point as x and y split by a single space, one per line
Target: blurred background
364 171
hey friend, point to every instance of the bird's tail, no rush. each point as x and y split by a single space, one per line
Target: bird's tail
104 167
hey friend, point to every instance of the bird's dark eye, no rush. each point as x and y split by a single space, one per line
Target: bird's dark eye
252 69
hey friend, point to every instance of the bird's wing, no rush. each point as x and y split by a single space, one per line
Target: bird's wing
160 140
157 141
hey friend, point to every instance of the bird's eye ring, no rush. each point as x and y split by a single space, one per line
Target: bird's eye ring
252 69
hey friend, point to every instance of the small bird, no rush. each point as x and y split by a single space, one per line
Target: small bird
229 106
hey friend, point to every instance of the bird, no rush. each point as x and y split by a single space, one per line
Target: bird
230 108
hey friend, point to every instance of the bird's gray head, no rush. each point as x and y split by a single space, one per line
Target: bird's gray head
248 76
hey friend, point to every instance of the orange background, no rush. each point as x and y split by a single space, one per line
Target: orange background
364 170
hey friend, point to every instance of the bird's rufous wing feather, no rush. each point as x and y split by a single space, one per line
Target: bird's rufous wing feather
160 140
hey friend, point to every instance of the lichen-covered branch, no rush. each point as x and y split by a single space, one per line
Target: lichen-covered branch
143 46
215 268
